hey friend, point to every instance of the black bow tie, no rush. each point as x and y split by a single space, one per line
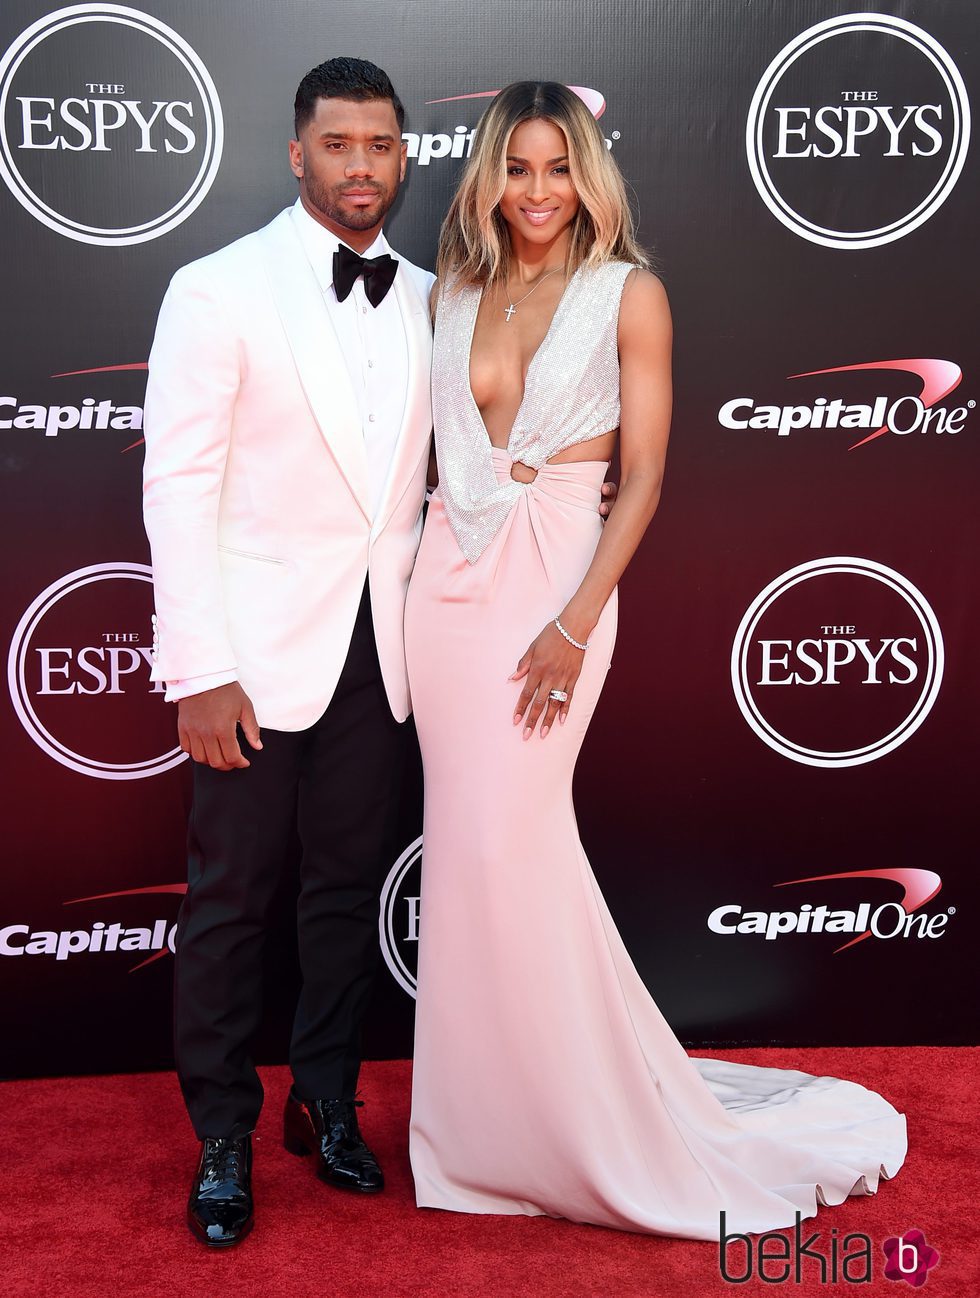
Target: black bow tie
378 272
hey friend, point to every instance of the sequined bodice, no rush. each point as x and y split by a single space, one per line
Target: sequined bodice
571 394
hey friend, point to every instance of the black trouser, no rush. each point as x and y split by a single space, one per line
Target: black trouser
336 783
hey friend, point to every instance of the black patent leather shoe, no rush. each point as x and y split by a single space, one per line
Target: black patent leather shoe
328 1129
220 1210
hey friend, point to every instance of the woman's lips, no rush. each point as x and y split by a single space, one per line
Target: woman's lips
538 216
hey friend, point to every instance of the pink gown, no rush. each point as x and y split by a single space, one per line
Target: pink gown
546 1080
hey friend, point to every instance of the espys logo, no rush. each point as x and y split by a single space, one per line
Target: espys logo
873 416
79 675
885 920
858 131
94 97
84 414
100 937
837 662
430 145
398 920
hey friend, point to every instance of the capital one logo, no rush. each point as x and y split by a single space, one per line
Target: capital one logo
78 671
398 920
837 662
110 126
99 937
900 918
76 413
858 130
874 415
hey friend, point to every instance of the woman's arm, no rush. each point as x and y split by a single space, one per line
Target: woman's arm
645 396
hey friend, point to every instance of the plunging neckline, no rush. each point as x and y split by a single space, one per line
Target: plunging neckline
531 363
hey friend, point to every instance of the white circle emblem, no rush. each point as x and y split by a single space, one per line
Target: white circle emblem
917 712
928 204
390 895
190 62
20 694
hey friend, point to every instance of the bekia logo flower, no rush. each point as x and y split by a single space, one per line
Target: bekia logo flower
910 1258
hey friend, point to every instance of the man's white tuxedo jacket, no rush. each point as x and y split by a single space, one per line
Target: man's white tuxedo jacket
257 502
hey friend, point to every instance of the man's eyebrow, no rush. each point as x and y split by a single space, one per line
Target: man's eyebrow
346 135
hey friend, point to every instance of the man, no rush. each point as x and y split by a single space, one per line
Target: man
287 440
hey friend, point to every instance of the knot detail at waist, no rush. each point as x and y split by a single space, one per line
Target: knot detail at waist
585 474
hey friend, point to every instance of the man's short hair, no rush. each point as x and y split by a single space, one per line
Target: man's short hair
343 78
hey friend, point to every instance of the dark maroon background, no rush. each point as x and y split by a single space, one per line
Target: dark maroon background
682 807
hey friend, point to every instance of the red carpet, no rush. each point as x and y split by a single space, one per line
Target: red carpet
95 1173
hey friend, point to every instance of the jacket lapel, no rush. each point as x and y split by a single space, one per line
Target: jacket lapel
316 351
416 425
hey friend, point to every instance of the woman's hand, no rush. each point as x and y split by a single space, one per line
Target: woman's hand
551 663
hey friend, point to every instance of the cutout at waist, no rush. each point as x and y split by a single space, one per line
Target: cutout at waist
591 473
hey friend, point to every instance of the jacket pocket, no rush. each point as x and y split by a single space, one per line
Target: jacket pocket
249 554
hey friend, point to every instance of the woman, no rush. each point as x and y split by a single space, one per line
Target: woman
546 1080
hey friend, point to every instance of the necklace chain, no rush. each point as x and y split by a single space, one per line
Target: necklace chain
509 310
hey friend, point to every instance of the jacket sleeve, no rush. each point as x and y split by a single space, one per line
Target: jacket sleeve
190 398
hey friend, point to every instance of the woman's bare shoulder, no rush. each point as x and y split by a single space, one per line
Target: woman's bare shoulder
644 304
644 288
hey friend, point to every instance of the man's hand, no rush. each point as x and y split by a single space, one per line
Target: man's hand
207 726
609 493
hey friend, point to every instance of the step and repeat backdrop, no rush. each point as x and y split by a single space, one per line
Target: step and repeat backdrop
775 793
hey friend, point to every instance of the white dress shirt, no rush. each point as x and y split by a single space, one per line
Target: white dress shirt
372 340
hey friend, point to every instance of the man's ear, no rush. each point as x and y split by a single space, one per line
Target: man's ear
404 160
296 158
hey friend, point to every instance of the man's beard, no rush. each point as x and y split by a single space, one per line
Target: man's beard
327 200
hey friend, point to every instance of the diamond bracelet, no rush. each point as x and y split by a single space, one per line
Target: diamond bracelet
571 639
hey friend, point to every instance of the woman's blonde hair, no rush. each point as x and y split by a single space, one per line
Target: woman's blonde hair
474 244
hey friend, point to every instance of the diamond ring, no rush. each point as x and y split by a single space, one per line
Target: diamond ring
559 696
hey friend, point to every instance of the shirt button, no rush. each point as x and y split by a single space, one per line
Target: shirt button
370 419
370 365
363 310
